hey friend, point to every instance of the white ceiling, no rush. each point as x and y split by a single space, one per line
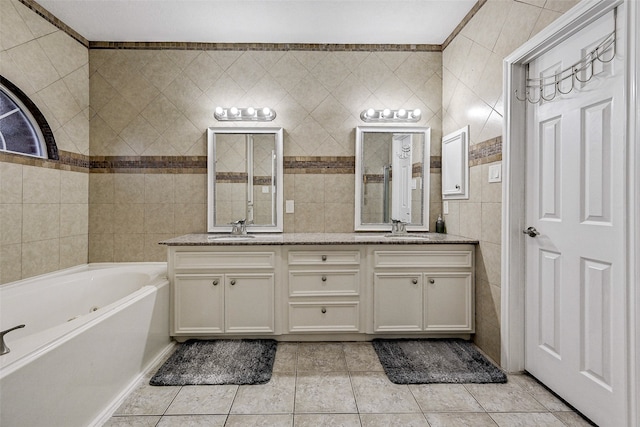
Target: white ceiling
263 21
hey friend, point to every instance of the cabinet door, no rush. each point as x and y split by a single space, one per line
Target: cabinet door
448 302
199 304
455 165
249 303
397 302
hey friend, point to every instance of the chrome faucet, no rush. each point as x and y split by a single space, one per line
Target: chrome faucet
3 347
239 227
398 227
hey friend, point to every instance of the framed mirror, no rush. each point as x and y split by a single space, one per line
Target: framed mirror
244 179
392 177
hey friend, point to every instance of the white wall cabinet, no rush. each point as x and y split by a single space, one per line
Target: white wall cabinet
455 165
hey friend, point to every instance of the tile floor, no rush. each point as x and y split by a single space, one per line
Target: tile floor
343 384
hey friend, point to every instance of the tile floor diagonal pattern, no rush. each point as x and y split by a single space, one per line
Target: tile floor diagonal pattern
343 384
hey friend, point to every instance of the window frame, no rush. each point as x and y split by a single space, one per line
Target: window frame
37 120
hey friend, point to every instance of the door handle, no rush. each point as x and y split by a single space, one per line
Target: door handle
531 231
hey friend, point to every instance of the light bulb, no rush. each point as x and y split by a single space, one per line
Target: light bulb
417 113
233 111
251 111
219 111
402 112
386 112
371 112
266 111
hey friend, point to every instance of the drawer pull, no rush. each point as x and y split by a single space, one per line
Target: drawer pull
414 281
233 282
324 310
215 283
324 257
432 281
324 278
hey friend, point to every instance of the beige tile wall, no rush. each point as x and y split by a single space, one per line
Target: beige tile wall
472 94
130 213
44 211
160 102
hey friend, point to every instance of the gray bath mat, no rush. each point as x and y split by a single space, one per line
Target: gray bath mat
430 361
218 362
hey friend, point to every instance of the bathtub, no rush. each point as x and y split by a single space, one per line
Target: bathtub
91 332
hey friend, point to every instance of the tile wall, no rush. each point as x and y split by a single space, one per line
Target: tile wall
44 204
146 111
155 102
472 94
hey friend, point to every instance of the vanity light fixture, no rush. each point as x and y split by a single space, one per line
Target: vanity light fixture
247 114
387 115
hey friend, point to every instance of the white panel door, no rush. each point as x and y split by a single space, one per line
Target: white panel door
575 293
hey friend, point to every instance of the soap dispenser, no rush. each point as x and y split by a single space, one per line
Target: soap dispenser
440 225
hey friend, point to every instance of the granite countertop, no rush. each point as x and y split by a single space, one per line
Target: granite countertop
220 239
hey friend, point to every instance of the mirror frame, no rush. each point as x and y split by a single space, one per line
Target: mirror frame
211 176
426 176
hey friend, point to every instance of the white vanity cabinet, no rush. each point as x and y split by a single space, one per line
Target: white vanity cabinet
323 289
294 288
222 291
426 288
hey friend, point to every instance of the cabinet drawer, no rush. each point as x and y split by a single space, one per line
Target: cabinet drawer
323 317
414 259
321 282
223 260
324 257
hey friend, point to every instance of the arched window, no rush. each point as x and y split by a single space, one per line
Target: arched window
23 128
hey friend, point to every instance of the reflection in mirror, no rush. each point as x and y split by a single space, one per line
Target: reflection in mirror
245 178
392 177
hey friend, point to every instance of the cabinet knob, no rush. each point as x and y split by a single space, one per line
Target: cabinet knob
324 257
215 283
233 282
324 310
457 187
414 281
432 280
324 278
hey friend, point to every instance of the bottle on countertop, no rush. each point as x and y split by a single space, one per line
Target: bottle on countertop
440 225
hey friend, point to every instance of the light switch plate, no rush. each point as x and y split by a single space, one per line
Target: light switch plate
265 189
445 208
288 208
495 173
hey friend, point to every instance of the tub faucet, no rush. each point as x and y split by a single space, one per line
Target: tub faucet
3 347
239 227
398 227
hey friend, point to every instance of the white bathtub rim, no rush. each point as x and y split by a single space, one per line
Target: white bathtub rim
79 269
44 341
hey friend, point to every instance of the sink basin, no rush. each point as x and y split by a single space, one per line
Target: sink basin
408 236
231 237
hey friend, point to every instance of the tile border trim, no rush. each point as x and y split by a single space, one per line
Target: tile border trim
67 161
53 20
484 152
327 47
476 7
488 151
